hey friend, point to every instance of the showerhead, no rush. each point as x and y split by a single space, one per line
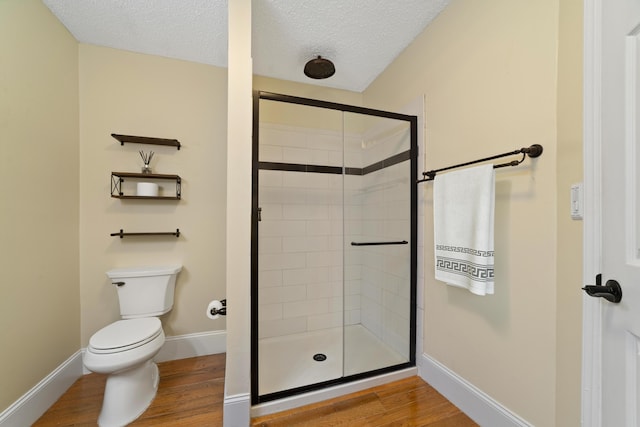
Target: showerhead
319 68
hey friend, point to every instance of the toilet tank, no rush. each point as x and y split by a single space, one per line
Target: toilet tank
145 291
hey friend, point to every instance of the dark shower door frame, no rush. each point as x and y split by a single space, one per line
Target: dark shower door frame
413 157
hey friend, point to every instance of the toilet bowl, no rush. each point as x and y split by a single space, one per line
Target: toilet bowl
124 350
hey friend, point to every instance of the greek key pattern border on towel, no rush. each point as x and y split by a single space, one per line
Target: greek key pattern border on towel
478 273
464 250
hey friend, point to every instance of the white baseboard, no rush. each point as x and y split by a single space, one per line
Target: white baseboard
193 345
472 401
237 409
26 410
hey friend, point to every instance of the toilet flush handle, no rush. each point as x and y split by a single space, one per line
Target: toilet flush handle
118 283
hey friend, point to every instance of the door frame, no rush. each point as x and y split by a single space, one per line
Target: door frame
592 229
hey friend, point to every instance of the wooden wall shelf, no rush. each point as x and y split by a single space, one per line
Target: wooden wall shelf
146 140
117 178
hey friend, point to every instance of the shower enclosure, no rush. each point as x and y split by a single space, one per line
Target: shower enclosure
334 246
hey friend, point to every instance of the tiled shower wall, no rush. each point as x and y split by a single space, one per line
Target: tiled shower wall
386 205
300 269
301 245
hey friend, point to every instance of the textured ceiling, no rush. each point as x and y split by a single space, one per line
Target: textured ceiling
362 37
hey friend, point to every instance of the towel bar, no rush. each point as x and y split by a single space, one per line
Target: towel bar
533 151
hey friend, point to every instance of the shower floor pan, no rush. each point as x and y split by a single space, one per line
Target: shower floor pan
288 362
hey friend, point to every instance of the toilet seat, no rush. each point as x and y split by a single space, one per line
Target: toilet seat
124 335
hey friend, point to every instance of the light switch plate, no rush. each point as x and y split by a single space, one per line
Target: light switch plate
577 201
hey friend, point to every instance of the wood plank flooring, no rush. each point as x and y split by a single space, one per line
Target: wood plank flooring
191 393
408 402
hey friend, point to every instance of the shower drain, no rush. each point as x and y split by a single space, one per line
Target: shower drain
319 357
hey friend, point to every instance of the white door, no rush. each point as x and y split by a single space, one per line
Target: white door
612 132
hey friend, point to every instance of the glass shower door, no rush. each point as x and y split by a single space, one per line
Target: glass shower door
377 228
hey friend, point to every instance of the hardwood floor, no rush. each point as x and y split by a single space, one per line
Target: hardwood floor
191 393
408 402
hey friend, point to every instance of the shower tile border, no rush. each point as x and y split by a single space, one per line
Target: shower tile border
337 170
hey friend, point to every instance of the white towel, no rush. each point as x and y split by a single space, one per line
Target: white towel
463 204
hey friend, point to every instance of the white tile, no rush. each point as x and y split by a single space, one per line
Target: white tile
336 304
319 228
372 292
336 273
269 312
326 141
353 273
281 261
324 290
269 245
306 244
306 276
270 211
305 180
324 259
305 212
352 302
324 321
269 178
352 287
305 156
352 317
277 328
324 196
279 195
269 278
281 294
278 228
270 153
305 308
335 158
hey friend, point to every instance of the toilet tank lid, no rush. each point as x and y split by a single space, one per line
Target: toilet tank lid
118 273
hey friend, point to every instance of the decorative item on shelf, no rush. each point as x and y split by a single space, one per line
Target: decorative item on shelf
147 189
146 158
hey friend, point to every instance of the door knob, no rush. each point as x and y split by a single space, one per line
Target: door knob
611 291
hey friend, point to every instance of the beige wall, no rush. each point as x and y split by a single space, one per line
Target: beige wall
39 304
134 94
569 249
491 76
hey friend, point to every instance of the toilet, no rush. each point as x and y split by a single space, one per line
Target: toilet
124 350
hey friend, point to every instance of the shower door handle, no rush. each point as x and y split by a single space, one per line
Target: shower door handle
399 242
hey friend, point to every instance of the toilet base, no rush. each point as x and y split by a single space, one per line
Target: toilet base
128 394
